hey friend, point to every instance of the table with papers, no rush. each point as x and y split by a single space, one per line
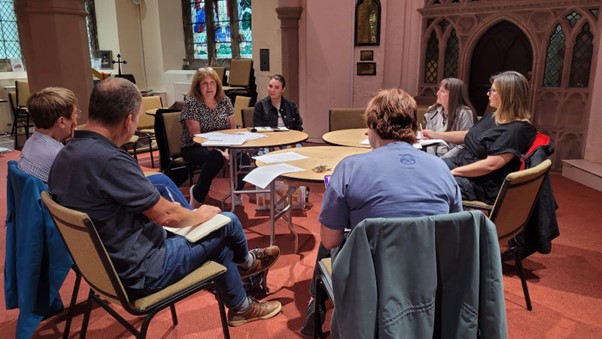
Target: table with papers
357 137
236 140
298 166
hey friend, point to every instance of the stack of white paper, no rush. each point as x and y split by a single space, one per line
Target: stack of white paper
222 139
279 157
264 175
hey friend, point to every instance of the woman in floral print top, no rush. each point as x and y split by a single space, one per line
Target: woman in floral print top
206 109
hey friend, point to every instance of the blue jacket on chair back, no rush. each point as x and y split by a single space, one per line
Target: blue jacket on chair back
37 260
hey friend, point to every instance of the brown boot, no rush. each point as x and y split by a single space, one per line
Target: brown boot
255 311
264 259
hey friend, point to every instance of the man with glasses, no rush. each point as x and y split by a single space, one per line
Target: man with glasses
54 112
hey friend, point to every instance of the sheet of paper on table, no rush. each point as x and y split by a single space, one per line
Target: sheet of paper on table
280 157
222 139
365 142
252 136
264 175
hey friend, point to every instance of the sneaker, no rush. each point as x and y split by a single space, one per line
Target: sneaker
237 199
255 311
193 202
264 259
308 325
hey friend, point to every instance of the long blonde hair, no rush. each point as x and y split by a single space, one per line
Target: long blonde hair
513 90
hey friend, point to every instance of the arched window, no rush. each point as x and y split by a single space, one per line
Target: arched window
223 35
431 60
552 76
582 58
452 55
9 34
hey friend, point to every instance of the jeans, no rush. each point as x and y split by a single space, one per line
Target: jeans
168 189
227 246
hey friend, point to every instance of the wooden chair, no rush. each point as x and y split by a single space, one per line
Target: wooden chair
459 265
247 117
512 209
18 104
171 134
95 265
346 118
241 80
146 124
240 103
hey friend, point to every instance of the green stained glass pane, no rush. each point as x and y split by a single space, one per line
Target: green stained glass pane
223 50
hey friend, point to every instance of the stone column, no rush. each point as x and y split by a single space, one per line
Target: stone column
54 46
289 25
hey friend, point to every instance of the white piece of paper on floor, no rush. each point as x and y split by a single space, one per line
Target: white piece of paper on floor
279 157
264 175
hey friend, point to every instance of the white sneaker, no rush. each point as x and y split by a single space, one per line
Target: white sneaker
193 203
237 199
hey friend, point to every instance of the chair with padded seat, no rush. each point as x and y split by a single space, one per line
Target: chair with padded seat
171 131
18 104
241 80
146 124
247 117
345 118
416 296
511 211
89 253
239 103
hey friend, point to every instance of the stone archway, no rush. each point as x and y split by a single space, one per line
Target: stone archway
503 47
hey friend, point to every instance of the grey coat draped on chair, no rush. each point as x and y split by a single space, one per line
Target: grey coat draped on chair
427 277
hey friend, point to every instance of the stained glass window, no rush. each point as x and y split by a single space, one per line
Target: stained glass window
452 55
573 17
552 74
431 60
582 58
9 34
213 36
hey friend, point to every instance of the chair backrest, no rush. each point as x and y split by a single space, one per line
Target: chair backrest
239 103
22 93
247 117
445 264
541 140
221 73
240 72
87 250
173 133
12 100
346 118
516 199
148 103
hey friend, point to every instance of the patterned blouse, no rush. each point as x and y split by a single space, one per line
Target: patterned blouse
211 119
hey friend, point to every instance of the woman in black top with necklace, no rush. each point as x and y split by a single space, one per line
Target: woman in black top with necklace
493 146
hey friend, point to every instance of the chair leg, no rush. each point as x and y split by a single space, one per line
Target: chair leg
317 323
222 315
150 149
82 333
174 315
71 312
519 265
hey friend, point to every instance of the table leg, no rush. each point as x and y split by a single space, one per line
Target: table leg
272 207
